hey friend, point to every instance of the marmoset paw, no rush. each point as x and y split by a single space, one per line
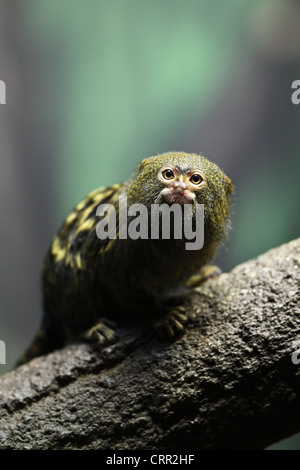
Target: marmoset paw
207 272
100 333
172 323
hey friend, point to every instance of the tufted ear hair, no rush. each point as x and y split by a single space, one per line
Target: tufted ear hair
228 185
143 163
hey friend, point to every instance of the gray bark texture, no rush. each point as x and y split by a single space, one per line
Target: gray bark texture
228 382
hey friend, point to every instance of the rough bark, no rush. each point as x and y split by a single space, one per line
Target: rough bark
228 382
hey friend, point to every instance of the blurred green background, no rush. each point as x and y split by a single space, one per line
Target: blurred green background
94 86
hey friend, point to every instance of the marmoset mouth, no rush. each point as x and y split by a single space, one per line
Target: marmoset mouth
177 196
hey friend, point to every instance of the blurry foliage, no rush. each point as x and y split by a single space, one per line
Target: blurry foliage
134 74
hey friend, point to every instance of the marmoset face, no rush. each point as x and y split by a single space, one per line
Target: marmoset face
180 184
179 178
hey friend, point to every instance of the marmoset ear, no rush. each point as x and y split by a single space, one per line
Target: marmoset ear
143 163
228 185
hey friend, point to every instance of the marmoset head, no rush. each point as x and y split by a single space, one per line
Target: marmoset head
180 178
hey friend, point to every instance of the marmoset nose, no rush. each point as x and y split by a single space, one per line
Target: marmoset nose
179 184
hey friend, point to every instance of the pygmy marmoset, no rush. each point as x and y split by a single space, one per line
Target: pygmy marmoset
86 280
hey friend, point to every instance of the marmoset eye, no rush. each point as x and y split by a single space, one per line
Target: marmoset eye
168 174
196 178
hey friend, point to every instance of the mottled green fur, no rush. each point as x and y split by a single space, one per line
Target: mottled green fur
86 279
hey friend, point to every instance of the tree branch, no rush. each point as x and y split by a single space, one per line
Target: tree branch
229 382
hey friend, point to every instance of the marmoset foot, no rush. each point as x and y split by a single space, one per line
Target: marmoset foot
172 323
207 272
101 333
